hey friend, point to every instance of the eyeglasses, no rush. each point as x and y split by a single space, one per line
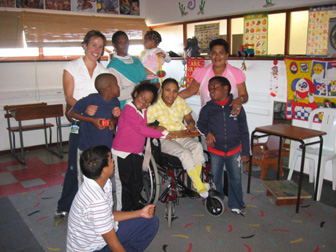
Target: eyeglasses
144 99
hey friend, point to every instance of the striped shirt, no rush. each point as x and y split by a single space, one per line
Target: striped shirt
90 217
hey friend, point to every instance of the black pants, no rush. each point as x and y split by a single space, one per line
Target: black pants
130 173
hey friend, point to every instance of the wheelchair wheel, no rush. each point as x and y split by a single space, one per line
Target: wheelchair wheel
214 205
151 187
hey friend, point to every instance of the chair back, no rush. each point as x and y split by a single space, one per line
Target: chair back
328 125
273 142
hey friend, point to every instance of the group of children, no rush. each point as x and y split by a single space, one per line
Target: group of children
93 225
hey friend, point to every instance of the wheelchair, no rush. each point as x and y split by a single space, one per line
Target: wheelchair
166 171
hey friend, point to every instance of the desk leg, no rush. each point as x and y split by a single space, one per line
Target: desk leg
318 169
250 164
280 159
21 143
301 176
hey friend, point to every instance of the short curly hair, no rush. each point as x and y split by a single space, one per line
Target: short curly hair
154 35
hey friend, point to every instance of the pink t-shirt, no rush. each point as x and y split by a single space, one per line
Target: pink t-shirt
204 74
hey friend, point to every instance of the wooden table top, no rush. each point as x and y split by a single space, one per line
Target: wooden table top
185 133
290 131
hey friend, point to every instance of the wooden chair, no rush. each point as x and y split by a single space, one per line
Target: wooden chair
266 155
31 112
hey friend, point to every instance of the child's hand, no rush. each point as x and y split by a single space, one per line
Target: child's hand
161 128
148 211
112 125
191 127
91 110
116 112
96 123
210 140
245 159
171 136
161 54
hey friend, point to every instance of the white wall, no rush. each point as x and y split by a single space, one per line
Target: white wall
160 12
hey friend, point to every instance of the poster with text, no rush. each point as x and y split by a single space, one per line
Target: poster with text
318 27
192 64
255 33
206 33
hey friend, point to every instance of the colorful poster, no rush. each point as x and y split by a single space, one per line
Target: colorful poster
192 64
311 83
30 4
8 3
108 6
255 32
84 5
318 27
206 33
58 5
130 7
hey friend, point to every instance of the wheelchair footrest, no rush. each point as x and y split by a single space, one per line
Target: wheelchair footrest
190 193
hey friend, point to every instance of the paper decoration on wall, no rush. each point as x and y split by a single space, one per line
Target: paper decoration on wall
268 4
201 7
255 32
64 5
108 6
274 79
311 83
182 10
318 27
192 64
32 4
84 6
205 34
130 7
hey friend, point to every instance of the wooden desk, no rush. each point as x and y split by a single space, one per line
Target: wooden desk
31 112
295 133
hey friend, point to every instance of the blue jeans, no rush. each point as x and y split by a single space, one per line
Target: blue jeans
233 166
135 234
70 184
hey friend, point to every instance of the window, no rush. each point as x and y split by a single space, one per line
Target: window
172 38
298 32
276 34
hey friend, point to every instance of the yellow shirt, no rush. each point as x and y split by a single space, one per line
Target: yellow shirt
169 117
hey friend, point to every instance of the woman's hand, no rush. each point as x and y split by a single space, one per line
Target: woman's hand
236 106
191 128
210 140
91 110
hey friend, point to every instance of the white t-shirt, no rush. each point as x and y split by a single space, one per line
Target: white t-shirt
84 84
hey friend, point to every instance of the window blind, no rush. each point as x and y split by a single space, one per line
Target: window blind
11 29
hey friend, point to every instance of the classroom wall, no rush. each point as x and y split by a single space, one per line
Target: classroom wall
160 12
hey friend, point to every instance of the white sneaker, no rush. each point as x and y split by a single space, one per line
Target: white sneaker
204 195
238 211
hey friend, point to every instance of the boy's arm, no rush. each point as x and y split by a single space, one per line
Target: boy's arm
113 242
190 123
146 212
94 121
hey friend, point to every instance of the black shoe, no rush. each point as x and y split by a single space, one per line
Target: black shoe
60 214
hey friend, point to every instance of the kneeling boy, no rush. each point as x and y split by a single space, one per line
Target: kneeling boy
92 225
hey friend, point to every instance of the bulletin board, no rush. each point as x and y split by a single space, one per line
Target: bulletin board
318 28
311 83
255 32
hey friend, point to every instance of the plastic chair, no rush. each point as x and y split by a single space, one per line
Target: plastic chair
328 125
266 155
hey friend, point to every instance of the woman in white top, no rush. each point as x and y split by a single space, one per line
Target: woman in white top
78 81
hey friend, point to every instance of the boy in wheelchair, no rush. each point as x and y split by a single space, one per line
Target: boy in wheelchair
227 139
170 111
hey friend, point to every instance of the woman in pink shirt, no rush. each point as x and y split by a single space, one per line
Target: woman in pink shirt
219 66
